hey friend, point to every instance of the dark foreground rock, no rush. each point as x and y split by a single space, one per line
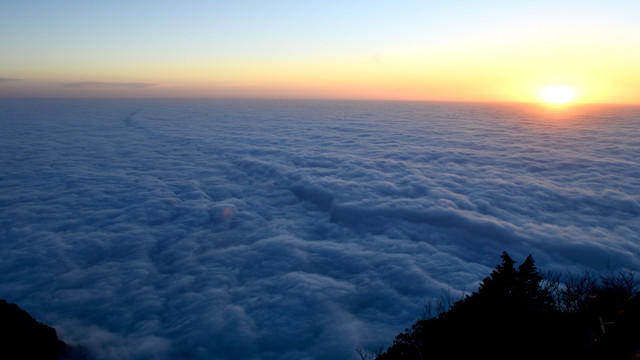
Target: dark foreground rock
23 337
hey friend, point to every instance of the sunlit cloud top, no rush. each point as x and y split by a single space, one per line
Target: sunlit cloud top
413 50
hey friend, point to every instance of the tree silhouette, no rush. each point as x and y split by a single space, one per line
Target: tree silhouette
528 288
510 316
502 281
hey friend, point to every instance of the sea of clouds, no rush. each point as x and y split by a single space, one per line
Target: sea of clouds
236 229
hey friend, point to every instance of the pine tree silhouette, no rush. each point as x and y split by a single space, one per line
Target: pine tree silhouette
502 280
507 318
530 294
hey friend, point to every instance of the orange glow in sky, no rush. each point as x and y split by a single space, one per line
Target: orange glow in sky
396 50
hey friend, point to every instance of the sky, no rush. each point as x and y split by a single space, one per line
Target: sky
402 50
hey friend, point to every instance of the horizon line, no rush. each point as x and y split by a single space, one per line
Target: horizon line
340 99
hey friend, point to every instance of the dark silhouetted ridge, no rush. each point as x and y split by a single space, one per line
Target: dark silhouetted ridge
23 337
518 314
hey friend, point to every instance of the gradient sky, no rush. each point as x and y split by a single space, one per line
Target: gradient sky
375 49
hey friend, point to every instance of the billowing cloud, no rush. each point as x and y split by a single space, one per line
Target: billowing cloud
281 230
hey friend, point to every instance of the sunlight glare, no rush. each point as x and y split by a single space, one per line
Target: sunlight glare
557 94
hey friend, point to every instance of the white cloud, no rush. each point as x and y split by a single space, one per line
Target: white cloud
281 230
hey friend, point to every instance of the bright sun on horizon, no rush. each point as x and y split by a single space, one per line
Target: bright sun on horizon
558 94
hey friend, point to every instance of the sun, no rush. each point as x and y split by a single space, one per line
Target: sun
557 94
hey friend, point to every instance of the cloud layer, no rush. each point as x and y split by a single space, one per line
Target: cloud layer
289 230
103 84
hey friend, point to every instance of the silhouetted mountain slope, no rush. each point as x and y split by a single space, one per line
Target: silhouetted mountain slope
513 316
23 337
